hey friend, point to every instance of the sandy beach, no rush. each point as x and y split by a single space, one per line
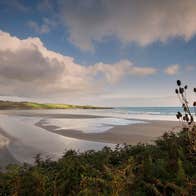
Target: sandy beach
129 134
144 131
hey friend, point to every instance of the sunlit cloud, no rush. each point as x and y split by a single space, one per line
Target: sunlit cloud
172 69
28 68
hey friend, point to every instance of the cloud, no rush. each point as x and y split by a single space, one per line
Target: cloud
113 73
15 4
43 28
190 68
143 22
172 69
28 68
45 5
27 64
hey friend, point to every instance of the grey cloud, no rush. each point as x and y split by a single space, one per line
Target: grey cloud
28 65
15 4
41 29
137 21
46 26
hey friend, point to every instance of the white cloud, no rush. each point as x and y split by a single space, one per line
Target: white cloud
115 72
172 69
140 21
29 69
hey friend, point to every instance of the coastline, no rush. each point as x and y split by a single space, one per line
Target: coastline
130 134
25 105
145 132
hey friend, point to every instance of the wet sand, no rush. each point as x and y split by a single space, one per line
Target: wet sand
5 156
129 134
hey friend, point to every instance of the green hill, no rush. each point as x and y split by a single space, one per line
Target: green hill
32 105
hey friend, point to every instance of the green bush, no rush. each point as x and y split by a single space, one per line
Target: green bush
166 168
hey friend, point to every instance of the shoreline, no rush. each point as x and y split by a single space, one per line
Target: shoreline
120 134
132 134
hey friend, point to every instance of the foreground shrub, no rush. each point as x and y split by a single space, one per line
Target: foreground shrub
166 168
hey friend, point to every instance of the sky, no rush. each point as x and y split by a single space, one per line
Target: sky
97 52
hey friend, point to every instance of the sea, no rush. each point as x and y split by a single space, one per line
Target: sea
145 113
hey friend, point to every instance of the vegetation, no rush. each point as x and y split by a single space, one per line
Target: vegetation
31 105
166 168
187 117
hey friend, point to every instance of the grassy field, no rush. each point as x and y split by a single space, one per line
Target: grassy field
32 105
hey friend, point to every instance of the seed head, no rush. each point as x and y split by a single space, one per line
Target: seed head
181 90
178 82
